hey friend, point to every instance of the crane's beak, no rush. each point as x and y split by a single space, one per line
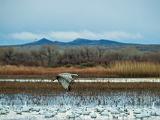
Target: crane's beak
75 75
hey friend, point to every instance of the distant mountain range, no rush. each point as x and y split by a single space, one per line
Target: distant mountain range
76 42
86 42
79 42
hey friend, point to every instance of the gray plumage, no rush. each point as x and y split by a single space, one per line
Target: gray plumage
65 79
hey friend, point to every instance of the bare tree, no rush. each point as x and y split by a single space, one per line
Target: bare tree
8 55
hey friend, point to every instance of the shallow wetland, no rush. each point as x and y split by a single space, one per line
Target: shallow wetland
87 100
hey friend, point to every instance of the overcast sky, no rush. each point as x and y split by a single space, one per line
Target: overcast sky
135 21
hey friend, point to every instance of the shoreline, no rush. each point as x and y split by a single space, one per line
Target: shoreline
82 76
13 87
85 80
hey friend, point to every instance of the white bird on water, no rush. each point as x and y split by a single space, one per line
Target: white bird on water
65 79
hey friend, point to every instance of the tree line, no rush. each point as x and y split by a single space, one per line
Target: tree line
53 56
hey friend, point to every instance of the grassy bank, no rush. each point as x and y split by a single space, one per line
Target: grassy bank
117 69
29 87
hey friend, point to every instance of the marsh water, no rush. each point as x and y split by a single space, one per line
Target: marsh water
134 98
81 104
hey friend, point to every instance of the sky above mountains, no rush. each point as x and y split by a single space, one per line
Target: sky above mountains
132 21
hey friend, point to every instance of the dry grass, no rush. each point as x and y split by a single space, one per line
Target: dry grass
136 69
42 71
118 69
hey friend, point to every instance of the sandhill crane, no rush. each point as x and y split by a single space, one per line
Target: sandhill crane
65 79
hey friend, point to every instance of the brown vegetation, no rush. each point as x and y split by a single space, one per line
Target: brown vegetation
83 56
117 69
87 61
40 87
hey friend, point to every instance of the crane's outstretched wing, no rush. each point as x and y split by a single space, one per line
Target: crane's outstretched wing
65 79
64 82
66 76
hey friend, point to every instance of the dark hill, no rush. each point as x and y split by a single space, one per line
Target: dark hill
103 42
42 41
77 42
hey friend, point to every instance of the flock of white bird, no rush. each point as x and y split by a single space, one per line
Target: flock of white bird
78 113
80 106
